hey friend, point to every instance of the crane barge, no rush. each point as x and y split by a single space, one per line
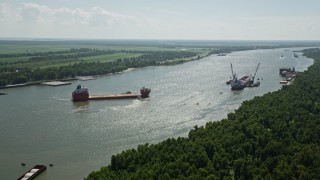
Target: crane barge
245 81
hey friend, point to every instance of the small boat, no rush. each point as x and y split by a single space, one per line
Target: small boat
3 93
33 172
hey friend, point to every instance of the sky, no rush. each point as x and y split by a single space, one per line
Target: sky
161 19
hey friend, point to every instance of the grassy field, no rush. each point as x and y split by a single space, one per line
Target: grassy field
12 49
37 47
110 57
66 62
14 59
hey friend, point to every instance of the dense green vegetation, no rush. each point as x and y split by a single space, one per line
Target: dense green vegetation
275 136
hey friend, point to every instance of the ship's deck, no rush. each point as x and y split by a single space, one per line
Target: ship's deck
113 96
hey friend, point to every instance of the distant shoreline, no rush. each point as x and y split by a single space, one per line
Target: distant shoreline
154 55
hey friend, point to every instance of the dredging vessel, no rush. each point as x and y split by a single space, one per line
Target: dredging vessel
82 94
245 81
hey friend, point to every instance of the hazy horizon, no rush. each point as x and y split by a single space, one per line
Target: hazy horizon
230 20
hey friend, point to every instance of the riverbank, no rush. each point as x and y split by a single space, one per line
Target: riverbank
272 136
22 68
35 83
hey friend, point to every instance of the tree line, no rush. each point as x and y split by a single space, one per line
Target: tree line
275 136
60 55
17 75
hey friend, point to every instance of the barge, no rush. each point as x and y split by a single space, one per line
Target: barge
114 96
289 74
284 70
82 94
33 172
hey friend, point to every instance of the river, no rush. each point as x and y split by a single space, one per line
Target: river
41 125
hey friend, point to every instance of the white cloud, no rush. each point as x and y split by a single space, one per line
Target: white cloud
96 16
36 13
36 20
7 13
4 10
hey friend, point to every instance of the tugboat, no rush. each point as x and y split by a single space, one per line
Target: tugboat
80 94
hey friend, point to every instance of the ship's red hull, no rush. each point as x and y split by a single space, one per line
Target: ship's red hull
76 97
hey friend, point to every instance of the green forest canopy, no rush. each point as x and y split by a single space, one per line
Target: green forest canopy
275 136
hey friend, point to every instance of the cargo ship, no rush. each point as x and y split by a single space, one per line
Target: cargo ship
33 172
82 94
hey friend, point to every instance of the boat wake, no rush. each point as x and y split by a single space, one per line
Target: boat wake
59 98
80 109
135 104
63 99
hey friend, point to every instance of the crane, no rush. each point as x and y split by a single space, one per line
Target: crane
255 73
233 76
